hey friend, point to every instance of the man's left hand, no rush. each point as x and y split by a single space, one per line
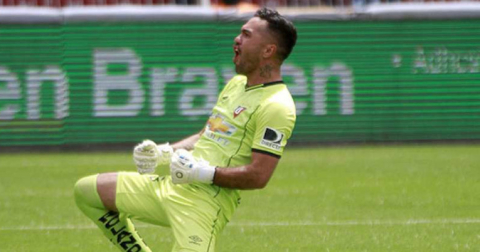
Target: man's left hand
185 169
146 157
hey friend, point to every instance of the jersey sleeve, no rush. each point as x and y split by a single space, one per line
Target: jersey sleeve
274 125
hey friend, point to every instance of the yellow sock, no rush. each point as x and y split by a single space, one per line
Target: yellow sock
117 227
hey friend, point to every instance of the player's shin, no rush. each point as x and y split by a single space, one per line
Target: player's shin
118 228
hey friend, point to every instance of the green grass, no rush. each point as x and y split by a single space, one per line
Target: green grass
377 198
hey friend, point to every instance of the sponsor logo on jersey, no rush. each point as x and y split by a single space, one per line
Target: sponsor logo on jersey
272 139
238 110
216 123
219 130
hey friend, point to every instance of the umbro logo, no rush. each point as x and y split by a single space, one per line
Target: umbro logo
194 239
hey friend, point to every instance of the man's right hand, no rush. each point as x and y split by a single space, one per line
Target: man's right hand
184 168
147 156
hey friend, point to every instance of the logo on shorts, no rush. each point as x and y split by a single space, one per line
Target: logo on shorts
194 239
272 138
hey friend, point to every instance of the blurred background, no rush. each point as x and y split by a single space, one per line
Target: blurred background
392 88
317 4
89 73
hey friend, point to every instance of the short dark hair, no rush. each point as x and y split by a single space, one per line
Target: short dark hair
284 31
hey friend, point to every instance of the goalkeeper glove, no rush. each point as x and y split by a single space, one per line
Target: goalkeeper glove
185 169
147 156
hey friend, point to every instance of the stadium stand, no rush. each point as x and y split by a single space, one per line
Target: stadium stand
215 3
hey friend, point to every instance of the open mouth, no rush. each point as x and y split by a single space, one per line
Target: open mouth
236 50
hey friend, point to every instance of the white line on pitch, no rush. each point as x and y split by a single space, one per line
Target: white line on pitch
364 223
274 224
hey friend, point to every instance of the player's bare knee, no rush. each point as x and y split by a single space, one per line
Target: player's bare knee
107 189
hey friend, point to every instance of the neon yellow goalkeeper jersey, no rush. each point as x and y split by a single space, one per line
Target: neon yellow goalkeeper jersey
245 120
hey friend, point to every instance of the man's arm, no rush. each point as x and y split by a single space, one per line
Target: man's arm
189 142
185 169
252 176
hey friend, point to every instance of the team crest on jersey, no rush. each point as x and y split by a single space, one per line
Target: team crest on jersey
272 138
238 111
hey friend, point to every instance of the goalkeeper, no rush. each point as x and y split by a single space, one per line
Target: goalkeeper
239 148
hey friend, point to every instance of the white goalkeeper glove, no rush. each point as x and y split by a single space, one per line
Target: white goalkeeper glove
147 156
185 169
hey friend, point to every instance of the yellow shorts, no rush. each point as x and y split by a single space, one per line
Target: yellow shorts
196 213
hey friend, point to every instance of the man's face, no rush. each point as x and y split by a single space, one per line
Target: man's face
248 45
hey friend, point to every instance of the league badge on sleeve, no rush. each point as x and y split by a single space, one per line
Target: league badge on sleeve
272 139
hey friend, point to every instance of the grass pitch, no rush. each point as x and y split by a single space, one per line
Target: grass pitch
394 198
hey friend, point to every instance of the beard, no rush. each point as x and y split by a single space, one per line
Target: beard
246 65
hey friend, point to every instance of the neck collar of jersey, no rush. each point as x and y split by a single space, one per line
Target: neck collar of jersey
247 88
